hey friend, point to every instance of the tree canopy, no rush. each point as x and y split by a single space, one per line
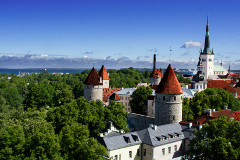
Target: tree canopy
210 98
139 99
219 139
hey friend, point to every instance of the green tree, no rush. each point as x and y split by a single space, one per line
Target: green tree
186 110
12 141
213 98
76 144
219 139
139 99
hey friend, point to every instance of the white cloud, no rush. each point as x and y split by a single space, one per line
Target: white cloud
191 44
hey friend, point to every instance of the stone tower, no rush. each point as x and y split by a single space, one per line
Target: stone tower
104 75
156 75
207 56
168 107
93 86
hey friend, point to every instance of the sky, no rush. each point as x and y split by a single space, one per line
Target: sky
131 30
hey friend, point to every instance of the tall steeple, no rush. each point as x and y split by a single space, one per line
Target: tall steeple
206 49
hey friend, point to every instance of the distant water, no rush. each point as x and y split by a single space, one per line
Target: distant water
39 70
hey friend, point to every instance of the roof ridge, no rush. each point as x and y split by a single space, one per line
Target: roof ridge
169 83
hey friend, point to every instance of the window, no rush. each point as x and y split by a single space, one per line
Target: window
119 156
138 152
116 157
210 60
125 103
130 154
175 148
201 86
173 117
163 151
175 98
203 60
169 149
181 97
144 152
164 98
125 98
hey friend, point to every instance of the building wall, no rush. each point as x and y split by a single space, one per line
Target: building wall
125 98
105 83
158 151
140 121
93 92
154 81
168 108
123 153
149 152
208 64
200 86
151 108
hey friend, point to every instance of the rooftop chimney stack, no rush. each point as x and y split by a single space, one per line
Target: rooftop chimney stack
154 61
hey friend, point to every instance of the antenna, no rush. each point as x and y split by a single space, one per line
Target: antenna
170 50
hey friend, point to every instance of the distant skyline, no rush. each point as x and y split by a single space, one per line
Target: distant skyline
131 31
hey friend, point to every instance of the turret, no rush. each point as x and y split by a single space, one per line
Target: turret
154 78
105 78
168 107
207 56
93 86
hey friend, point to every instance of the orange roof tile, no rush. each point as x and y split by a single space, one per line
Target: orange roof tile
160 73
154 74
227 113
220 84
114 97
93 78
169 83
103 73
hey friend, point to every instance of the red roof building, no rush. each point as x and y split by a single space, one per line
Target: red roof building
221 84
154 73
103 73
169 83
93 78
114 97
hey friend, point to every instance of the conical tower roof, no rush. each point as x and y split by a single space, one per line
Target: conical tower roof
93 78
103 73
154 73
169 83
160 73
114 97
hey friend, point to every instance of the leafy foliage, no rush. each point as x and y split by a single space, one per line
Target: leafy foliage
219 139
139 99
210 98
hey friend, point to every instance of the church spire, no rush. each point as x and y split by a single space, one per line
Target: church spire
207 42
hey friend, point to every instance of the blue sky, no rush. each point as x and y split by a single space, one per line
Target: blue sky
134 29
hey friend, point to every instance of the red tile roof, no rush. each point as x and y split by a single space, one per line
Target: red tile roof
108 91
154 74
114 97
237 115
103 73
206 117
220 84
169 83
93 78
160 73
227 113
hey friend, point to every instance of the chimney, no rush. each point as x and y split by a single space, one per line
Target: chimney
155 127
190 124
154 61
101 134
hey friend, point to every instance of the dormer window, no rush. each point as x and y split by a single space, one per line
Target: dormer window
135 137
127 139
